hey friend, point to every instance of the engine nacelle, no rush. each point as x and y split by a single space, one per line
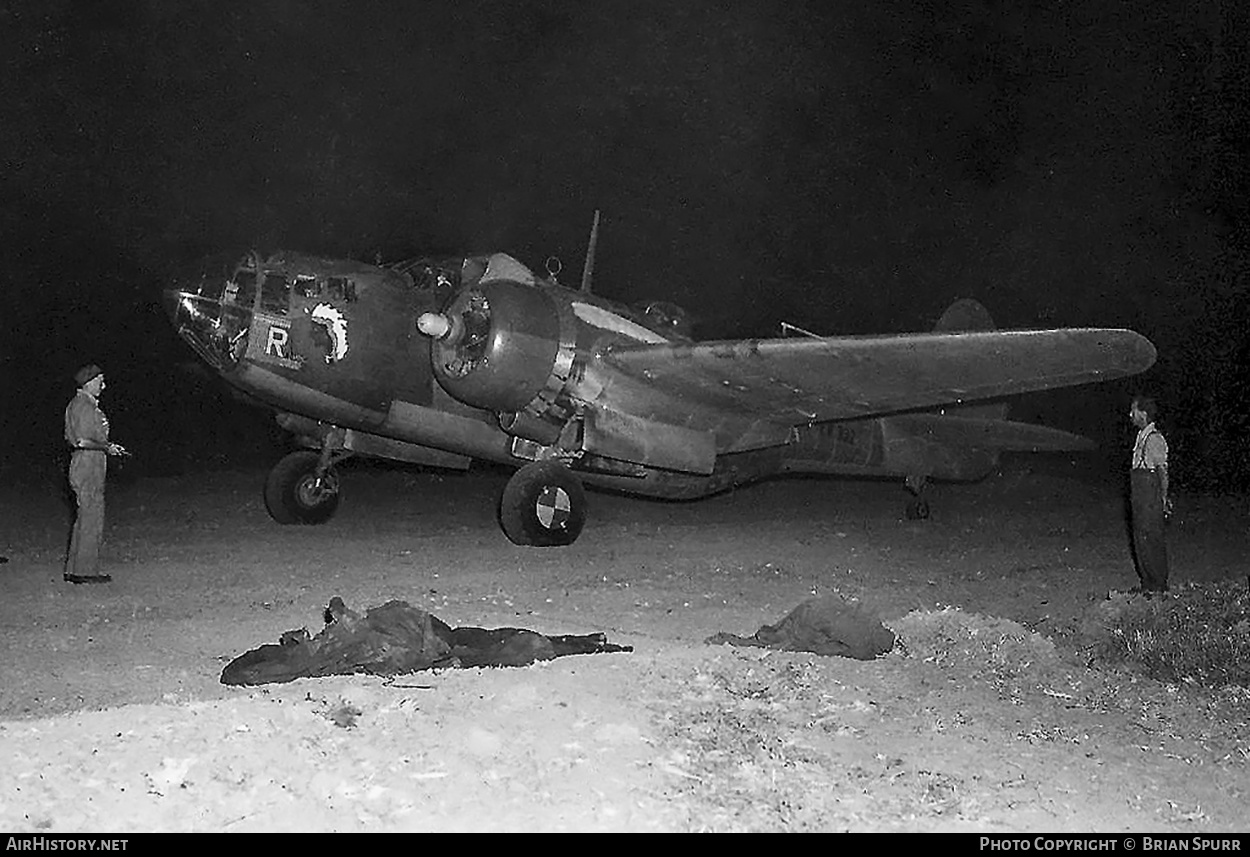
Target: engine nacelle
501 346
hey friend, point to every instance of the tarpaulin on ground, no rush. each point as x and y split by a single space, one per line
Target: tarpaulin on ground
397 638
828 625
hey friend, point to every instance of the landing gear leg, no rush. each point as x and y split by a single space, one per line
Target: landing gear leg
918 508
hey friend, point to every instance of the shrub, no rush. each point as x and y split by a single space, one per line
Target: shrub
1199 633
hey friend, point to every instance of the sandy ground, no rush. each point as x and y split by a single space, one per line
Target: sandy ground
993 716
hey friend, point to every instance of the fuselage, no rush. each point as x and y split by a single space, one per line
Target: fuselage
334 346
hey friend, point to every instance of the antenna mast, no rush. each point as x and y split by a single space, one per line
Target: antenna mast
589 269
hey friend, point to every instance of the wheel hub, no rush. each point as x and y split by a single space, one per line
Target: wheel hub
312 490
553 507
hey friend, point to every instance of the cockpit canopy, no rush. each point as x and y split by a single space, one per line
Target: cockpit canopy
667 319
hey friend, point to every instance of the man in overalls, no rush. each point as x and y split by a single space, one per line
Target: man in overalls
87 433
1151 505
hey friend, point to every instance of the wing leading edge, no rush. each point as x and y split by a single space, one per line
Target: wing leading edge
795 381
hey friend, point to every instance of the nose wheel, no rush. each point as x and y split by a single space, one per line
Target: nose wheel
543 505
300 491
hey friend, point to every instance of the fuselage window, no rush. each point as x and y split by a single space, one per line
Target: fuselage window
275 294
341 288
308 286
241 291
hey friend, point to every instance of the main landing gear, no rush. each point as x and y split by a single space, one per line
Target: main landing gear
303 488
918 508
543 505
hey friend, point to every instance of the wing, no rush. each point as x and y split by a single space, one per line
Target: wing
798 381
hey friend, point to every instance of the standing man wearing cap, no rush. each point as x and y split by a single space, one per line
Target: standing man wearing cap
87 433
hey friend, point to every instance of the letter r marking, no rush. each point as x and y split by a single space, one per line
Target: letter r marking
276 344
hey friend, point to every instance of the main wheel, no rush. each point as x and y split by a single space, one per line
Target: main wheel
543 505
294 494
918 510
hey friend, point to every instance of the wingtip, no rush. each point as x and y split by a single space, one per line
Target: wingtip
1123 352
1084 444
1140 354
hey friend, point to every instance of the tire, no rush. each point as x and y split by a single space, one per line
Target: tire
543 505
294 495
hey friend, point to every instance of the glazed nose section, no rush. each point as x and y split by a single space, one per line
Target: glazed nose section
207 311
191 301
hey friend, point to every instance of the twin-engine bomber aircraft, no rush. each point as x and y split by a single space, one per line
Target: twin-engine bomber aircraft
441 361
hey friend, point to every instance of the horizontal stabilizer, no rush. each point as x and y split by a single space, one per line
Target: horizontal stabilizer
989 434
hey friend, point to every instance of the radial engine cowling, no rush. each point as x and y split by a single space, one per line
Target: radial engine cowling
500 346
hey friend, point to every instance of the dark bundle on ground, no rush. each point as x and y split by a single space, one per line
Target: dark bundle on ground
827 625
397 638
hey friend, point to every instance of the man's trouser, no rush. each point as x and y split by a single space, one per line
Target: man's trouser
86 477
1149 543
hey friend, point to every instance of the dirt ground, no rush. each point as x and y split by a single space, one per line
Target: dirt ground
993 715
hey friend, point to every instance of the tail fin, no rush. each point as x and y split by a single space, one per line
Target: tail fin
963 315
981 427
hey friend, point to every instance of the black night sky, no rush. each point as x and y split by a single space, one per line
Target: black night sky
848 166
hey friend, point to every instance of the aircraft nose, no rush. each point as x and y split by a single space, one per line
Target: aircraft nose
208 314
